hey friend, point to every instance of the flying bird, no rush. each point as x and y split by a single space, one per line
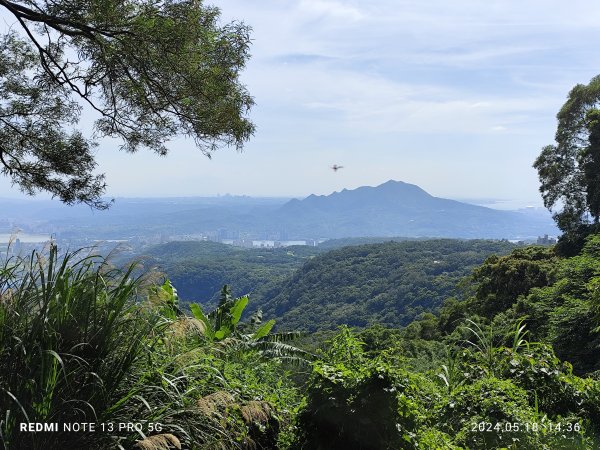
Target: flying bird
335 167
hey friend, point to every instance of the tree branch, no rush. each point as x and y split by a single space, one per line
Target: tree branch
65 26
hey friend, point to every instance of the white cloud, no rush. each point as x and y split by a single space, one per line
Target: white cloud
350 100
478 83
331 8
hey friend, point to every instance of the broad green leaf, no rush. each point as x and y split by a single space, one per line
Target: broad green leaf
238 308
171 292
198 314
222 333
264 329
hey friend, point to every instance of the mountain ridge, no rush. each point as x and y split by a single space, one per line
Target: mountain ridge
396 208
393 208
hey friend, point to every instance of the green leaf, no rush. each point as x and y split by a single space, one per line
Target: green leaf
238 308
171 292
198 314
264 330
222 333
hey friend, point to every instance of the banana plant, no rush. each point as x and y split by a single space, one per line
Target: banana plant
223 325
222 322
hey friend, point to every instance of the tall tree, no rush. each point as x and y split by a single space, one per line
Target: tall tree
149 69
569 170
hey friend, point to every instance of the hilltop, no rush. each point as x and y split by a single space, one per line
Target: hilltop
396 208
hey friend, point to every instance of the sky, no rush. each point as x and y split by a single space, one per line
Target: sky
457 97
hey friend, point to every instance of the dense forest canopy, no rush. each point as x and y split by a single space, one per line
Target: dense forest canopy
315 288
482 374
200 269
389 283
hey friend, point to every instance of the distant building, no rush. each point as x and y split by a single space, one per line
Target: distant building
290 243
545 240
263 243
516 241
222 234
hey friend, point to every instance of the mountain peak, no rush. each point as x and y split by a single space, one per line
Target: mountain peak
397 208
401 185
392 193
392 182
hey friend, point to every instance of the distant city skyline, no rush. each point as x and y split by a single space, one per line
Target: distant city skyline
455 97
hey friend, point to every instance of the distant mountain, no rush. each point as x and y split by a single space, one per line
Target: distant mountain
396 208
390 210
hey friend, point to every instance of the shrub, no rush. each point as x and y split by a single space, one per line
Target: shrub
360 403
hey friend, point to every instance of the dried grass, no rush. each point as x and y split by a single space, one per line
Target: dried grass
256 412
215 405
164 441
186 326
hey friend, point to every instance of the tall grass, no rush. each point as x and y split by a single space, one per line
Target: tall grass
71 334
83 342
483 342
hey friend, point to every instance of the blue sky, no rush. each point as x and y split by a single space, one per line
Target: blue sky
457 97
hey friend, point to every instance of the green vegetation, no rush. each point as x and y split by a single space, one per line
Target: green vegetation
331 244
485 373
521 398
388 284
509 366
81 342
555 297
200 269
310 288
569 171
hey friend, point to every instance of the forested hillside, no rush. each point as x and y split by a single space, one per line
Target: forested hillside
331 244
483 374
310 288
200 269
389 283
557 298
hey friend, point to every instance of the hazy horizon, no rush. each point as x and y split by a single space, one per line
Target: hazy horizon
502 203
458 98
